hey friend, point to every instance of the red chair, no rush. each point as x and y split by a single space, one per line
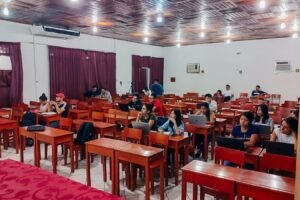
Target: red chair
278 162
244 95
289 104
283 112
224 154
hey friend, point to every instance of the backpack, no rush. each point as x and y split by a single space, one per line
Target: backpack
28 119
85 133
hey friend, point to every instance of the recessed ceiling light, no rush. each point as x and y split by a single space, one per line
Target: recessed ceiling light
295 35
262 4
228 34
282 25
5 11
295 26
202 34
95 29
146 31
146 39
159 19
283 15
228 41
202 24
94 19
178 45
74 0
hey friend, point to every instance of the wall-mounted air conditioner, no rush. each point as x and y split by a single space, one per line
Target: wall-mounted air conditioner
283 66
54 32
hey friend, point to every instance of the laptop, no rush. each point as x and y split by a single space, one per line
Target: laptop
123 107
199 120
263 129
141 125
280 148
231 143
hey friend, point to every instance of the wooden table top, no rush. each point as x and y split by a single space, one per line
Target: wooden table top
53 132
178 138
107 143
267 181
78 111
140 150
4 121
212 169
96 124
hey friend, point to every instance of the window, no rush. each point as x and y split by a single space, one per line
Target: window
5 63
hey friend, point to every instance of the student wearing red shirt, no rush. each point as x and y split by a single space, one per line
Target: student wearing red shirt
157 106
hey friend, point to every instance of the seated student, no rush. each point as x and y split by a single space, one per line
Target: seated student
146 91
93 92
213 106
203 109
262 116
257 91
105 94
147 117
228 93
59 105
157 106
295 114
218 96
44 104
135 103
287 133
246 130
174 125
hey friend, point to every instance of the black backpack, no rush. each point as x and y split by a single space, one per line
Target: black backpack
85 133
28 119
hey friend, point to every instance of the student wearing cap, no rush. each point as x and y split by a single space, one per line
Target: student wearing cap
59 105
44 104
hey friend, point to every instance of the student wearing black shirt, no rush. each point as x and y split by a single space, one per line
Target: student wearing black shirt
59 105
257 91
135 103
93 92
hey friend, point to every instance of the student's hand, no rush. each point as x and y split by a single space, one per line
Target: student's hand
172 120
139 116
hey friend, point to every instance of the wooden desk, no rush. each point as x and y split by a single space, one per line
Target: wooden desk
221 178
101 127
205 130
103 147
261 186
5 113
121 119
54 137
78 114
176 143
48 118
23 134
7 124
253 156
144 156
181 107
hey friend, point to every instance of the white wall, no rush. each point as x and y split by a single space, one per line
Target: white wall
221 63
36 63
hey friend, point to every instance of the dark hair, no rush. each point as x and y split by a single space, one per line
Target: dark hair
136 95
148 107
95 86
292 123
207 114
258 86
208 95
153 95
265 111
43 97
227 85
248 115
178 118
219 92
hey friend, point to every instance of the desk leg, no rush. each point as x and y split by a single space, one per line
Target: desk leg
112 167
38 150
195 191
88 167
36 153
162 189
212 145
22 149
16 137
176 164
147 171
54 157
72 154
117 172
183 187
205 147
186 154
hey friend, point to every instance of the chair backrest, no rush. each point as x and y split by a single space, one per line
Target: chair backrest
277 119
82 105
231 155
98 116
282 111
278 162
65 123
34 103
134 113
114 111
159 140
17 113
132 135
289 104
243 95
73 103
247 106
110 118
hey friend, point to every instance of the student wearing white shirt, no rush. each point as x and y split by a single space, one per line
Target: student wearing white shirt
44 104
228 93
105 94
213 106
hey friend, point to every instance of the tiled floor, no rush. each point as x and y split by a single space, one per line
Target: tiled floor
172 192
